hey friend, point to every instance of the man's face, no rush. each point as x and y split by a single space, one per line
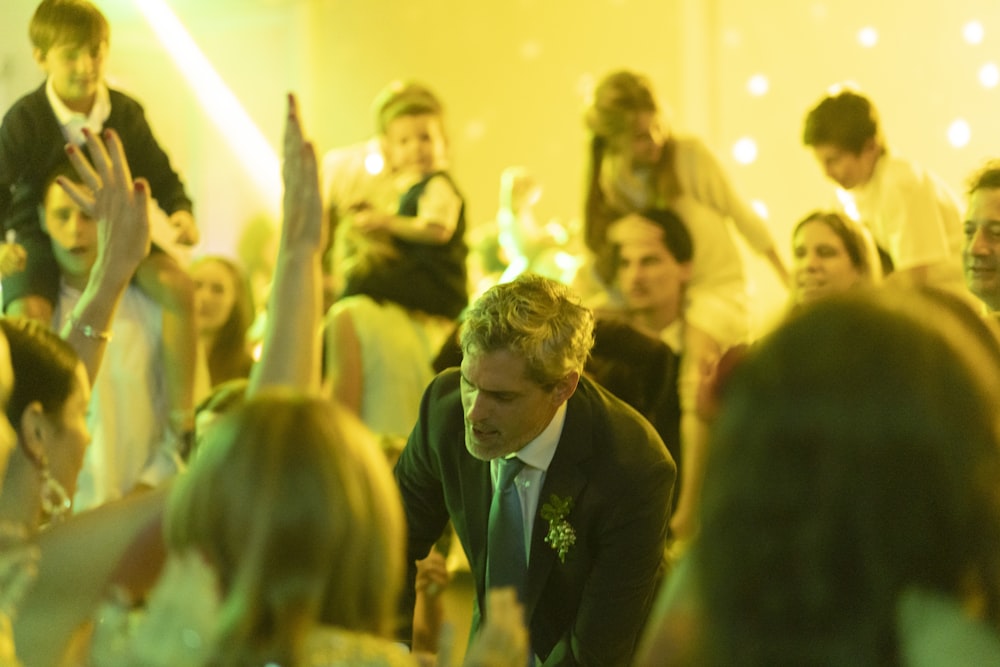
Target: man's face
504 409
981 254
75 70
846 169
649 277
73 234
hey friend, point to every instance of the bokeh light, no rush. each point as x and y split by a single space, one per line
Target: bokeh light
374 163
959 133
868 37
758 85
989 75
745 150
973 32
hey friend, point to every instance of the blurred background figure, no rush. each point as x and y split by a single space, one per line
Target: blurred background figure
831 253
225 311
550 249
850 513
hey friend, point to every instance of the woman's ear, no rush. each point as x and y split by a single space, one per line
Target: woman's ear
33 430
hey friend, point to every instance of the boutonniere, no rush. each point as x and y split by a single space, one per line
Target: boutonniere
561 535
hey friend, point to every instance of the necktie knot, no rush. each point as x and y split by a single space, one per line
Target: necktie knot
508 470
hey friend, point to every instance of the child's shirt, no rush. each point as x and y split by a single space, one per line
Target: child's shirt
422 276
73 122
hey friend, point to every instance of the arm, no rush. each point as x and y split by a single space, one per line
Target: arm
121 207
628 566
291 353
78 559
343 364
146 155
419 482
435 222
703 177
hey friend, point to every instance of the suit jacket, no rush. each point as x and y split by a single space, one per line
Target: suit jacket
590 609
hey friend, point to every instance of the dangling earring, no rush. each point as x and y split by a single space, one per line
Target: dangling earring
55 500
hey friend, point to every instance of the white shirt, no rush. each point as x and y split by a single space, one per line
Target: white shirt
128 410
73 122
536 455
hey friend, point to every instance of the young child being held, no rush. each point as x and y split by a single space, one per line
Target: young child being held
411 251
70 43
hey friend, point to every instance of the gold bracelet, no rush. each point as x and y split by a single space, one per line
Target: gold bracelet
89 331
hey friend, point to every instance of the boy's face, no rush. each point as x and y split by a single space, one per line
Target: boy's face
75 70
415 143
846 169
73 234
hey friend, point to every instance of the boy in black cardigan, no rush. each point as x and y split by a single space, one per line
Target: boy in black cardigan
70 41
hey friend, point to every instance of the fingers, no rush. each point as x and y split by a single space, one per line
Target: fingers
80 195
116 152
83 167
99 157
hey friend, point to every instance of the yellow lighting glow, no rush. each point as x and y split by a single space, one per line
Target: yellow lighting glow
745 150
989 75
973 32
247 141
868 37
758 85
760 207
959 133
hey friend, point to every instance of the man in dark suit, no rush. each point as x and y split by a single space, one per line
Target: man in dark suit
595 486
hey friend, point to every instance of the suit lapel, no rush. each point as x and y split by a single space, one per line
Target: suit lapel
476 491
565 479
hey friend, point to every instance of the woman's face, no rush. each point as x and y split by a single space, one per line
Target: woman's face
821 265
645 143
215 295
67 435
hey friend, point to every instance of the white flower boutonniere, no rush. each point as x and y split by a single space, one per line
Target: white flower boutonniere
561 535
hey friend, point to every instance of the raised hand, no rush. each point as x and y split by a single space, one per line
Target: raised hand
303 206
290 356
110 196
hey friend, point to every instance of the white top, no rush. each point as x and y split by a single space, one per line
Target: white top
702 178
129 409
913 216
397 352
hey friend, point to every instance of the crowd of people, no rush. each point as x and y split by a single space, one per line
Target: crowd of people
626 476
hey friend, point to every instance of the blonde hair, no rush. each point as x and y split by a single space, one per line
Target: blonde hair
618 99
293 505
536 317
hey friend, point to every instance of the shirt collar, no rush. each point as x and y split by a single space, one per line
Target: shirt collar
539 452
73 122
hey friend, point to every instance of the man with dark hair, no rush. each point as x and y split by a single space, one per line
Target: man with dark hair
912 215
